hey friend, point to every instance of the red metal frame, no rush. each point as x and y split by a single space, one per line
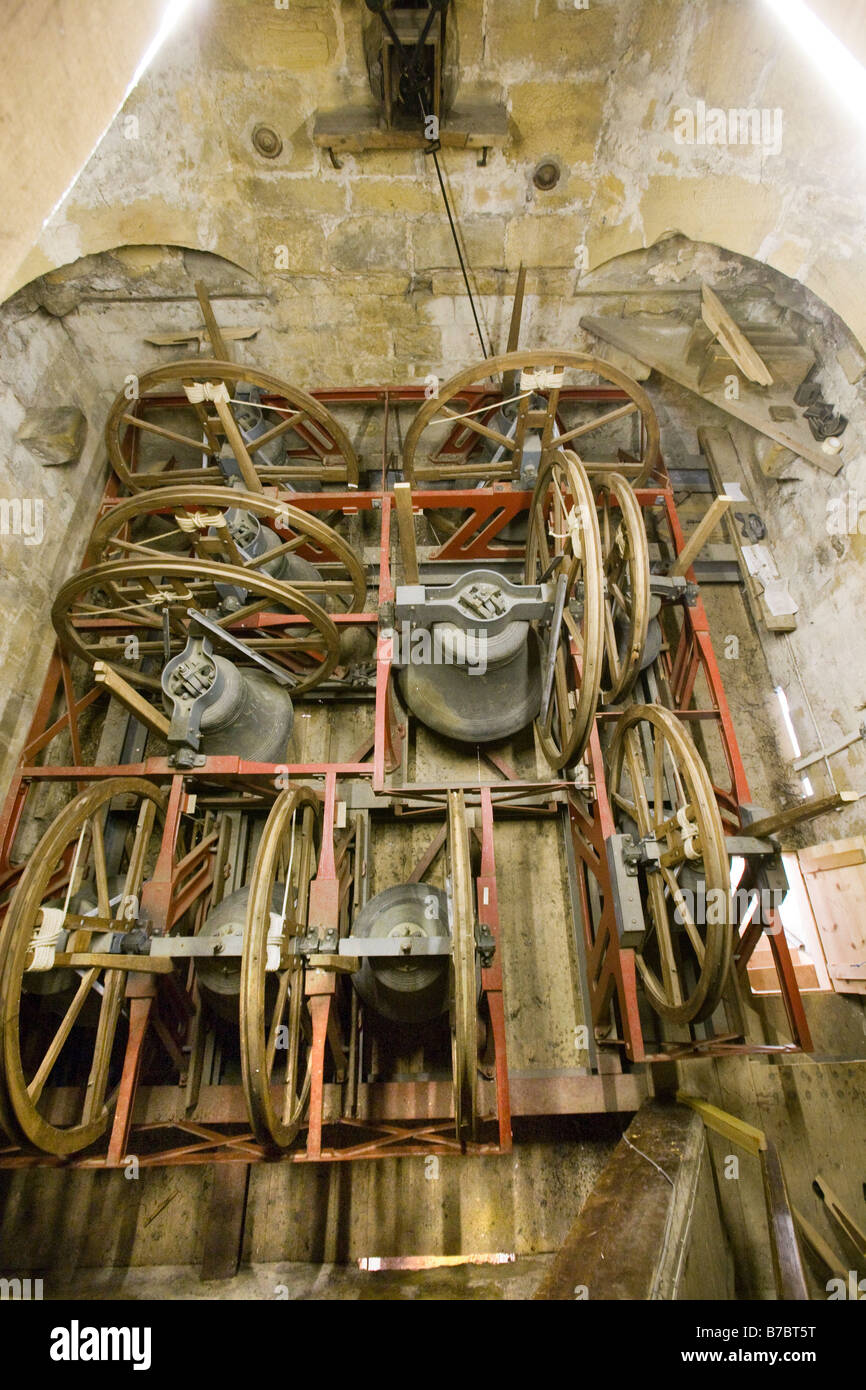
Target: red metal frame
611 967
396 1118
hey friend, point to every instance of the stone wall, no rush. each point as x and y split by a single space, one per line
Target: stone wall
598 88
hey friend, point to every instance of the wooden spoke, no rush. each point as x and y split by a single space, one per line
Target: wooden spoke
472 423
163 389
667 953
551 369
142 424
654 772
114 986
282 428
197 581
33 1044
590 426
46 1066
302 530
100 867
684 913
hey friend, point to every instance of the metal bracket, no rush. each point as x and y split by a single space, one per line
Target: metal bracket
314 944
644 853
279 673
485 943
463 602
674 588
623 859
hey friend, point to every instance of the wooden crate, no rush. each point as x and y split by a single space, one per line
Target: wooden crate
834 874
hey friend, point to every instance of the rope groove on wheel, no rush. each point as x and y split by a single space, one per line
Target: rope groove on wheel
660 791
287 855
323 451
127 598
564 547
546 366
72 972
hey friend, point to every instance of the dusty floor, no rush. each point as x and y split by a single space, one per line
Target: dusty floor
292 1282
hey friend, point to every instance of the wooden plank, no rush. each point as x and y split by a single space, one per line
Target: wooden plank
143 710
200 336
355 129
97 960
753 1140
787 1260
225 1220
732 339
702 532
805 810
406 525
217 341
630 1238
724 465
844 859
834 875
663 349
817 1242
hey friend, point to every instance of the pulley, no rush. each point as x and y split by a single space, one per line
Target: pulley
219 975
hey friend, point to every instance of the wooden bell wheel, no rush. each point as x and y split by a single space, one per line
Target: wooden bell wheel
62 991
213 522
464 989
114 612
274 1035
660 792
625 566
465 446
563 546
289 437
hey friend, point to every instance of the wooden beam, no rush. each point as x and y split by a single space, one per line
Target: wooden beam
806 810
787 1261
753 1140
509 381
143 710
238 447
732 339
225 1220
723 463
843 1219
217 341
99 960
700 535
406 524
663 348
816 1241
